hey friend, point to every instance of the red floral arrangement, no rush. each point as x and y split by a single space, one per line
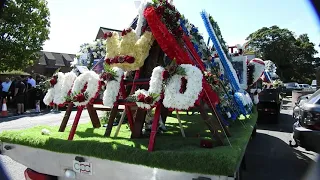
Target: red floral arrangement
106 35
169 16
53 81
77 97
145 99
211 78
120 59
125 31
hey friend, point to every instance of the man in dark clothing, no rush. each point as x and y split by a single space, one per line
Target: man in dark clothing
26 93
19 95
12 89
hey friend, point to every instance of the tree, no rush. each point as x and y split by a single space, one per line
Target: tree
293 56
24 26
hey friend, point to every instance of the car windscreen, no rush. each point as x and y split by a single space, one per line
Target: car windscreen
314 96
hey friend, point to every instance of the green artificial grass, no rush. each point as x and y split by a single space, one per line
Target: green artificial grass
172 151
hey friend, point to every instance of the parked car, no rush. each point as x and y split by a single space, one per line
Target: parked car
306 130
304 86
289 87
300 101
314 84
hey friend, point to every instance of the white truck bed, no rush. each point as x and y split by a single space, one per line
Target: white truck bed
56 164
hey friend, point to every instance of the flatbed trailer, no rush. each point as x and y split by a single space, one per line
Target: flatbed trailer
53 157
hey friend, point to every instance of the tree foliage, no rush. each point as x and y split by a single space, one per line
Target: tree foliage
294 56
24 26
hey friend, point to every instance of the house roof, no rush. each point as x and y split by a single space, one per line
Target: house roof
54 59
103 30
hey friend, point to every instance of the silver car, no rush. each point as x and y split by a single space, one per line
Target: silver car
306 131
300 101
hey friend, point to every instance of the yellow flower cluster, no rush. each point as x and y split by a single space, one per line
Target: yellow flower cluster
112 44
129 45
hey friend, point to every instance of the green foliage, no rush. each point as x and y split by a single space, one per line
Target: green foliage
24 26
172 151
108 69
217 30
14 72
294 56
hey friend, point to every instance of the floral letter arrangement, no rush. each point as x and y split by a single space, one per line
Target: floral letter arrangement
61 85
181 87
129 53
85 89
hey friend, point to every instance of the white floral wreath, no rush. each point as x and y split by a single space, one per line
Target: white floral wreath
183 101
112 88
92 80
60 96
54 92
155 87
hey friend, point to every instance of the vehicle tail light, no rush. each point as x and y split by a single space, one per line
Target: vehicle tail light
30 174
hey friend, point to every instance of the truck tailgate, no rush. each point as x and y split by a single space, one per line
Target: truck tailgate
56 164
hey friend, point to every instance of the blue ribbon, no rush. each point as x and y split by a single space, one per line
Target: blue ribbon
224 62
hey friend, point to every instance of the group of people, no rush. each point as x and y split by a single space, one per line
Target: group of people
15 91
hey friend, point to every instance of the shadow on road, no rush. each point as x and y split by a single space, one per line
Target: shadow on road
284 125
268 157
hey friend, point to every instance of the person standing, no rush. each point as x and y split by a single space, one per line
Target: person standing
19 93
11 90
6 89
31 81
31 92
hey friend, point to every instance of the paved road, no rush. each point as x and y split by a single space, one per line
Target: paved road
14 169
268 155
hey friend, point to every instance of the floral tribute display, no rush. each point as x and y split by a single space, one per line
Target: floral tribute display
192 79
61 85
147 99
241 97
89 52
111 78
66 87
169 16
196 38
54 91
181 87
217 30
174 97
130 52
85 89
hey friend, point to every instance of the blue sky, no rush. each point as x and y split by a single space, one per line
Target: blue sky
74 22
